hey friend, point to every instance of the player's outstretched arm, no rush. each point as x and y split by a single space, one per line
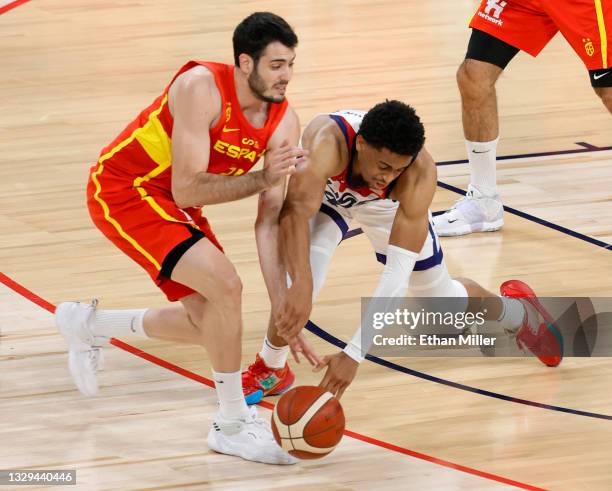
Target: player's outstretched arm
304 197
266 225
195 104
414 192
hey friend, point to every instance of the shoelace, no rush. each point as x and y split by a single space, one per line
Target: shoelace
91 338
253 419
468 195
254 373
257 369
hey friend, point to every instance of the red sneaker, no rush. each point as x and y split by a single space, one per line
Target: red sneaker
271 381
545 340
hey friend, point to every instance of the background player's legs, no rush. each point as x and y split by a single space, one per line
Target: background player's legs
485 60
481 209
476 81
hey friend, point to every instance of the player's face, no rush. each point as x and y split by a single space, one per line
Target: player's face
380 167
272 73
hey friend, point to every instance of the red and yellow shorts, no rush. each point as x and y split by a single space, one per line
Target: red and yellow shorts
144 223
530 24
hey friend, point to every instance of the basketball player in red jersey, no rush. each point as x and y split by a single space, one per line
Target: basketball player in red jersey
148 192
373 169
500 28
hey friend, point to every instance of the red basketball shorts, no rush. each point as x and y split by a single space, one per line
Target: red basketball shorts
144 223
530 24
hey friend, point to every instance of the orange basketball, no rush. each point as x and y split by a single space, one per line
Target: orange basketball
308 422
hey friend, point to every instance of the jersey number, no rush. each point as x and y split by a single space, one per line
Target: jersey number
233 171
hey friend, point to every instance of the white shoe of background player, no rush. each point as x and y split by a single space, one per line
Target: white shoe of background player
474 212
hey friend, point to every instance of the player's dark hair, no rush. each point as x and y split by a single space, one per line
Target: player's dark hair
258 30
395 126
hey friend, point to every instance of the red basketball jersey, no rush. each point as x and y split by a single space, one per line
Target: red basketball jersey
142 153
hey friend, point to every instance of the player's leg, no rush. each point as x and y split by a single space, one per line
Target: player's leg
112 206
481 208
88 328
430 278
270 371
214 302
517 311
187 264
499 31
216 311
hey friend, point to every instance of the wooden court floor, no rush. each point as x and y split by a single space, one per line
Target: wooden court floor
75 72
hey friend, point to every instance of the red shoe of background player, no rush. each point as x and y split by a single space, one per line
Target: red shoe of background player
543 340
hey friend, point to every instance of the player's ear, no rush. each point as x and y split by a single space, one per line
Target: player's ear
247 63
359 143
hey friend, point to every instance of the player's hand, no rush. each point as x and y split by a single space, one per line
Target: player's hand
294 312
282 162
341 370
299 344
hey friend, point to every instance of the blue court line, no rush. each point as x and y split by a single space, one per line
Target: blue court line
540 221
587 147
317 331
513 211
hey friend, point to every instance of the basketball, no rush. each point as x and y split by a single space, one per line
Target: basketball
308 422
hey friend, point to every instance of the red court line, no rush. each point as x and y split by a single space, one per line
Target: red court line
12 5
24 292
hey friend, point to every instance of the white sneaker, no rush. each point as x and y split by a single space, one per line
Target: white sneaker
249 437
84 357
474 212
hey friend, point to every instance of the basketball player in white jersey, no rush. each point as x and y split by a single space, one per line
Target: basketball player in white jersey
373 169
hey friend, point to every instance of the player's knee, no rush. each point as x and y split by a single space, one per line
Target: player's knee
605 94
229 287
194 307
221 285
474 79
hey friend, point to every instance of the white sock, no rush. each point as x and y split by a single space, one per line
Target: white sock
274 356
112 323
513 314
229 392
482 157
